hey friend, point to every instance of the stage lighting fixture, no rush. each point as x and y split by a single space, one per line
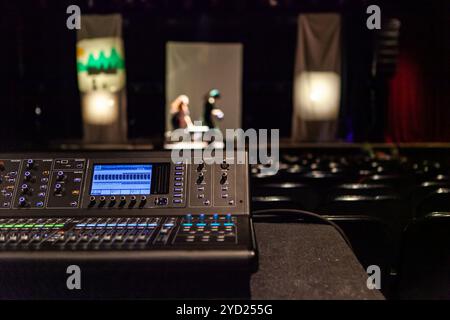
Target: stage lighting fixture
100 108
318 95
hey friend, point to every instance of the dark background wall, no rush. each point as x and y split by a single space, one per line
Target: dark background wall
39 72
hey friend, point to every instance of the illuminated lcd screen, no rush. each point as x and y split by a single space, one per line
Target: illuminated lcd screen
121 179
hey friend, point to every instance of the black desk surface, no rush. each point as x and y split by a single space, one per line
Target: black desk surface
307 261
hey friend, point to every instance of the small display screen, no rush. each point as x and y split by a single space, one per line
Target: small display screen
121 179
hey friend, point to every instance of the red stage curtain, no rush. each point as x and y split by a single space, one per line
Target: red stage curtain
419 99
406 111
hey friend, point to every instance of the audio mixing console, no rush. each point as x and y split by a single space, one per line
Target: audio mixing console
129 206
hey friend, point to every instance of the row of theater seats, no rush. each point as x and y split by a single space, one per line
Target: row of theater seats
395 211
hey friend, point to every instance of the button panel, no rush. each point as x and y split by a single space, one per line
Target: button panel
9 170
200 184
118 233
34 183
48 183
65 189
207 228
69 164
225 184
178 185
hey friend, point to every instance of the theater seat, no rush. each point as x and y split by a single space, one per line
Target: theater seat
425 260
430 170
438 200
386 207
421 191
325 180
362 189
371 240
300 195
389 209
400 182
274 202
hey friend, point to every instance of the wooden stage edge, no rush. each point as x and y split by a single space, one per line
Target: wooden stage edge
287 143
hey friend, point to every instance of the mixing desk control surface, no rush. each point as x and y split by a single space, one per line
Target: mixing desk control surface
104 205
141 233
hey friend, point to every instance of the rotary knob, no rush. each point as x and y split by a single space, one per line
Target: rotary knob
60 176
224 178
25 189
31 164
92 201
112 201
28 177
143 201
224 165
201 166
200 178
132 201
102 201
123 201
23 202
59 190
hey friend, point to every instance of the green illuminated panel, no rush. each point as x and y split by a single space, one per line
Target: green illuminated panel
103 63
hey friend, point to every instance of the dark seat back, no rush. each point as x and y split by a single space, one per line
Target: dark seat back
299 195
371 239
362 189
438 200
386 207
425 260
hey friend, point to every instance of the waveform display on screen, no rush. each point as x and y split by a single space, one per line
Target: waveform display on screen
121 179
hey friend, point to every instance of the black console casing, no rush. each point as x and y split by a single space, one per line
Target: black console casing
220 262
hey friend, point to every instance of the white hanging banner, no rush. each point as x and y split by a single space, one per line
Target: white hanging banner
101 78
317 80
101 64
